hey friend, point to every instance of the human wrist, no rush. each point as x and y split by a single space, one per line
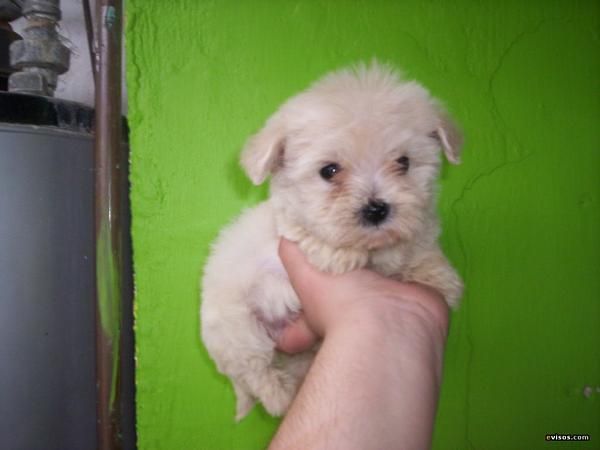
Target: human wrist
382 361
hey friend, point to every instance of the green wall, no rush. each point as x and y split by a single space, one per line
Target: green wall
521 215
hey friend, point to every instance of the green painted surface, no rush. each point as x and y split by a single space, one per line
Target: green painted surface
521 215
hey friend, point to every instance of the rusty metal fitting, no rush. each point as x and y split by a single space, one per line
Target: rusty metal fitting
40 47
41 56
28 83
43 8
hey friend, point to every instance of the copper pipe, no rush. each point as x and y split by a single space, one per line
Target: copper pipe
89 30
109 235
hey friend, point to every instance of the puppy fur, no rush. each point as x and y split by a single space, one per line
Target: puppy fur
363 119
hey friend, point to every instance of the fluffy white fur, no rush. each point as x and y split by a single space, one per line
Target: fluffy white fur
363 119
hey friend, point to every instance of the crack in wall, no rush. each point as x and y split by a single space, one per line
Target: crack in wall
466 268
504 133
502 127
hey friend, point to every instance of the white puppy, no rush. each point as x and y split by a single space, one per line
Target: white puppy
353 163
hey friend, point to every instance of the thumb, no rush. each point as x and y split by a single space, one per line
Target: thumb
296 337
303 276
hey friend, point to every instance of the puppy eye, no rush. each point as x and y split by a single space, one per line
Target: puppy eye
327 172
404 163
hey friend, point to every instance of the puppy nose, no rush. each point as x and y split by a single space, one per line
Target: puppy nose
375 212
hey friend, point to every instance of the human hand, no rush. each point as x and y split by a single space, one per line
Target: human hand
380 362
329 300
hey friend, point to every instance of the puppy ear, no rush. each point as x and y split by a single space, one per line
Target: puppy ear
450 138
263 152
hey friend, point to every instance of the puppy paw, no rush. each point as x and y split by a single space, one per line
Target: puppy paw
434 270
244 402
277 398
274 387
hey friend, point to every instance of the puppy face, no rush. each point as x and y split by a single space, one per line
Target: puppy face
354 158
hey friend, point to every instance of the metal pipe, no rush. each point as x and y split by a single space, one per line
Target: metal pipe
41 56
109 234
89 30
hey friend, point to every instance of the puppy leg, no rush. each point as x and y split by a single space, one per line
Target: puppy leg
298 364
274 387
255 375
273 380
433 269
244 401
276 382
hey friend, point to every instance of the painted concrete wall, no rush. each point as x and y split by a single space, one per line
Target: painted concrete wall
521 215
